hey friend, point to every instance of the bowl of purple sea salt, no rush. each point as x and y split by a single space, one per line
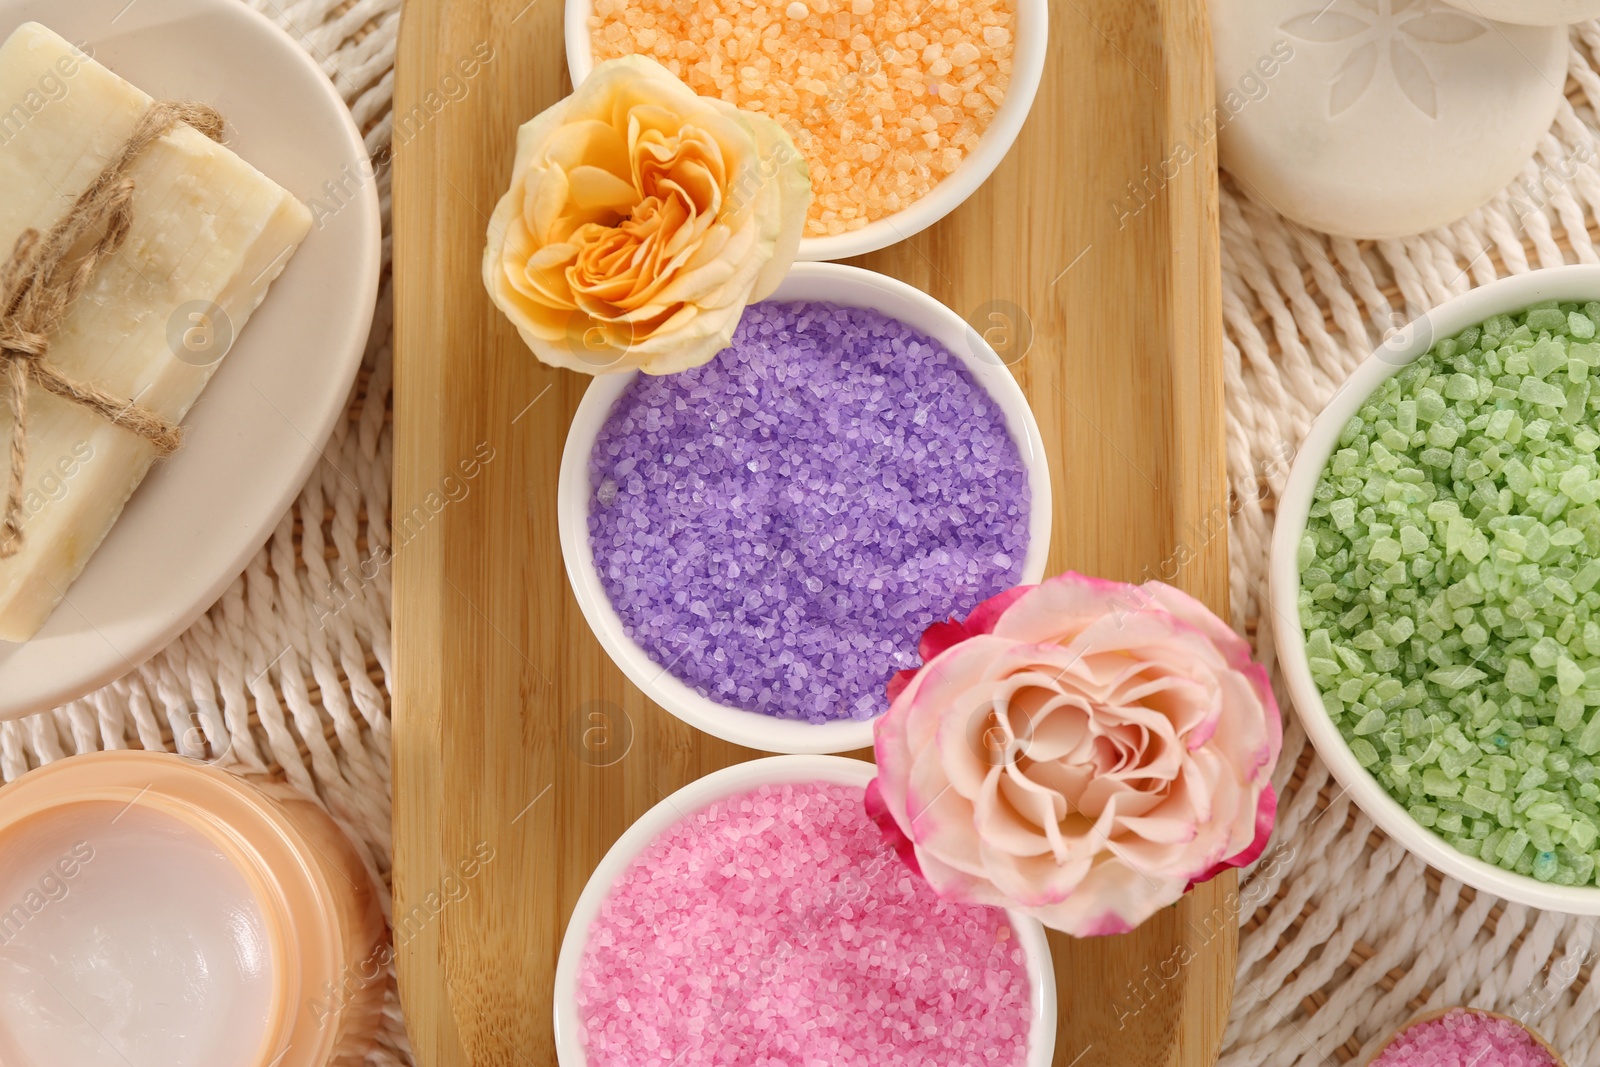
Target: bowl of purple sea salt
757 915
760 542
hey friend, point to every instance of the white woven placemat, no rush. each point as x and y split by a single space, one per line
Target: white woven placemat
1344 934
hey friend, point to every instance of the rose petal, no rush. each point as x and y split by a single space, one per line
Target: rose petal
983 618
941 636
1266 812
879 813
898 682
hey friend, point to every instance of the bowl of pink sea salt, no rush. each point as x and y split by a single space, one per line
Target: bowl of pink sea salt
902 108
759 543
1465 1037
757 915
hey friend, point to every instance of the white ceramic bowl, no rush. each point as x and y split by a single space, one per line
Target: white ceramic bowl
1580 283
730 781
1027 67
840 284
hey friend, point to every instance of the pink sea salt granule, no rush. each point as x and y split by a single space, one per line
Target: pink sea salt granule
777 929
1465 1039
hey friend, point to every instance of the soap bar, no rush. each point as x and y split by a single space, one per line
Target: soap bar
1379 118
209 235
1533 12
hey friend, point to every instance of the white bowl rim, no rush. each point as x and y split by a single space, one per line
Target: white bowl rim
696 796
1029 47
859 288
1513 293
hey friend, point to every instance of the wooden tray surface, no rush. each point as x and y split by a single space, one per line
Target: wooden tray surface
1095 241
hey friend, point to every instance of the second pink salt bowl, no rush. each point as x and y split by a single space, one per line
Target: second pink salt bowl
731 781
833 283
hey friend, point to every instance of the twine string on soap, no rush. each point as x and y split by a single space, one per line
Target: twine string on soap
44 277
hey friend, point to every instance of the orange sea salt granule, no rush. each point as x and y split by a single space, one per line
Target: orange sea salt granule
884 97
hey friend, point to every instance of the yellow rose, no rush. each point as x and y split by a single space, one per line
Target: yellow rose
640 221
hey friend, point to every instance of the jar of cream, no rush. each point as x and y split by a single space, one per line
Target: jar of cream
158 912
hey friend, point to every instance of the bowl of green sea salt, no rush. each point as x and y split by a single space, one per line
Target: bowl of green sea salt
1436 587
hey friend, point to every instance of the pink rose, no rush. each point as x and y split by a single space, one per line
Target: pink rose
1084 751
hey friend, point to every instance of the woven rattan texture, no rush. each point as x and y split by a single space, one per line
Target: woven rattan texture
1344 935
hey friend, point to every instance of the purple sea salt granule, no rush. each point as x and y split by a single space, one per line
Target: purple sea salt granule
1465 1039
778 928
778 526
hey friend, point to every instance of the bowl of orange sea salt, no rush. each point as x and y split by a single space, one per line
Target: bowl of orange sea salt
902 108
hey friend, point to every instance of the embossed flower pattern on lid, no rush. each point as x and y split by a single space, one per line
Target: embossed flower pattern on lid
1399 31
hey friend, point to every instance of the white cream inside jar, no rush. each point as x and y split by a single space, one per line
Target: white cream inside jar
128 938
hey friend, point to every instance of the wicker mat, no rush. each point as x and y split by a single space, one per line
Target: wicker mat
1344 935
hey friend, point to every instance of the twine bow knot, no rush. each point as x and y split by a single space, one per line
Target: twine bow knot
44 277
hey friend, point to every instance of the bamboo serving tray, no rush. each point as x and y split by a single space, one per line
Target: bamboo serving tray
1089 260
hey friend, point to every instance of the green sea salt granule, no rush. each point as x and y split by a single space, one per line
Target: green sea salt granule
1450 590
